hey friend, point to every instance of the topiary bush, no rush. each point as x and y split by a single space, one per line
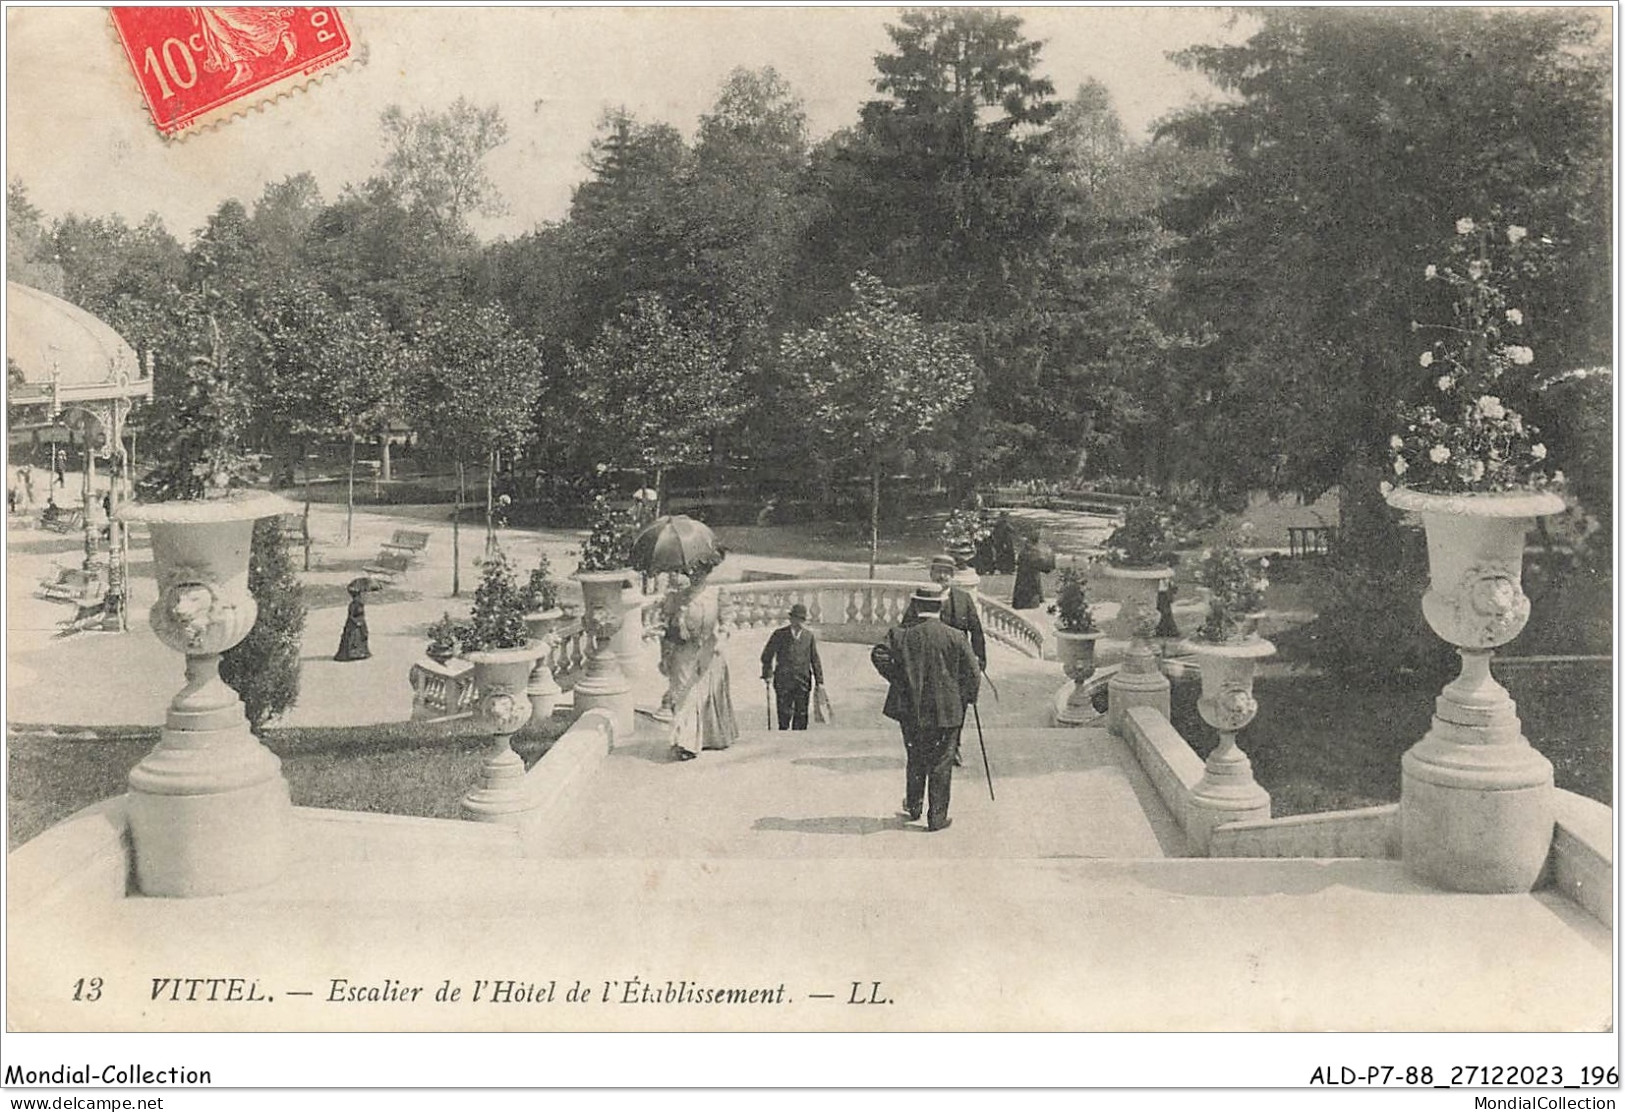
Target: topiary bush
263 668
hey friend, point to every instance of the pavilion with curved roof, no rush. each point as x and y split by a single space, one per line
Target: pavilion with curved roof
60 357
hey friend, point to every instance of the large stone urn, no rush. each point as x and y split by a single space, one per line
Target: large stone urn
1476 799
501 707
209 809
604 682
1227 791
1140 682
1076 652
542 688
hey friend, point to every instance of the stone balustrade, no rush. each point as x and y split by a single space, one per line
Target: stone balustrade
854 610
568 650
1008 627
442 692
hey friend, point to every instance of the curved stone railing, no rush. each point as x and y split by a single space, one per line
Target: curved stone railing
858 610
846 610
1008 627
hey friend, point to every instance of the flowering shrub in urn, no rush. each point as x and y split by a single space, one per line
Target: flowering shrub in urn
1142 540
608 546
1237 588
1071 605
1464 437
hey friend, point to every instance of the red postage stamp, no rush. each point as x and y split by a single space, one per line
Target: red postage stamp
193 62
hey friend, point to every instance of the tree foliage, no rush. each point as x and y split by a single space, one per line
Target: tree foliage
874 378
1355 140
660 389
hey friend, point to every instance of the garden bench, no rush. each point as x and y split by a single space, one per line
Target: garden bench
389 565
1310 540
67 521
293 528
72 585
411 541
87 615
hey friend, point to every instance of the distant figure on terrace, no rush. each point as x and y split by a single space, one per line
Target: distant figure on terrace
696 671
790 665
1032 562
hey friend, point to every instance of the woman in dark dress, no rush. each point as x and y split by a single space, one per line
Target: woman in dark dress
1035 559
353 641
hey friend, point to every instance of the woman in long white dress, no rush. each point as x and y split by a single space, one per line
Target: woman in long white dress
696 670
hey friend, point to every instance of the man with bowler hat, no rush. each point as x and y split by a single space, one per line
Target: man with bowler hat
933 676
790 665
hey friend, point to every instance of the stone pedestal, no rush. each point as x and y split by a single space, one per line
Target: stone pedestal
1139 683
1476 800
502 707
209 809
1477 803
543 689
604 683
1227 791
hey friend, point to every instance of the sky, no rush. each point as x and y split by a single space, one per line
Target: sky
78 137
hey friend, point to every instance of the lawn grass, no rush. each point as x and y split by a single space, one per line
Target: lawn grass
398 769
1320 745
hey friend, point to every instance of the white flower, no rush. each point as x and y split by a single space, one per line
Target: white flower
1557 477
1438 453
1516 232
1399 466
1445 382
1490 406
1520 355
1396 442
1263 561
1475 471
1431 272
1515 316
1538 451
1385 487
1475 269
1465 226
1427 359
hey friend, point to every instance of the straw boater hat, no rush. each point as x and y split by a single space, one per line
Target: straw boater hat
927 599
942 560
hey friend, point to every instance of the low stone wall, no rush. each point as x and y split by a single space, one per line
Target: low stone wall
571 760
1582 861
85 856
1365 832
1166 758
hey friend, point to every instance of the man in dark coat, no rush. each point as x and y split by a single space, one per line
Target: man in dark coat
959 608
933 676
790 664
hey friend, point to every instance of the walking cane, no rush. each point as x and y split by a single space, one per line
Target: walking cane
983 742
767 694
